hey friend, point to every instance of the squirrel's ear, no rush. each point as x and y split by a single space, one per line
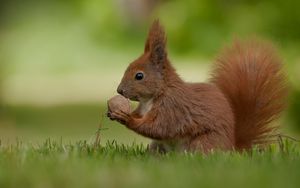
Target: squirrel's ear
156 43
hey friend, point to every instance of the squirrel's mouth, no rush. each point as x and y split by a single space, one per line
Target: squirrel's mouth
132 98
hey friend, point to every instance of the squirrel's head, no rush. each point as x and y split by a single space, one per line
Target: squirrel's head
144 78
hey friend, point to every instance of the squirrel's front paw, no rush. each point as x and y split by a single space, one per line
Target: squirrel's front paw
119 116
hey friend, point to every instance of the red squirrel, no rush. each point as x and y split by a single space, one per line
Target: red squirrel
233 111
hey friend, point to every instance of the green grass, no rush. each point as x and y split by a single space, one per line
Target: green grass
64 161
81 164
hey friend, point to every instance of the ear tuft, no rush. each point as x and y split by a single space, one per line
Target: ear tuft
156 42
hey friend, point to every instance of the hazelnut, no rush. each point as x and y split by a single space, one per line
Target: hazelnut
118 102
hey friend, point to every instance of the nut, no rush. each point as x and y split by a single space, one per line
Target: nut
118 102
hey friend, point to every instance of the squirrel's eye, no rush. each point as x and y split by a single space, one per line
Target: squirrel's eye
139 76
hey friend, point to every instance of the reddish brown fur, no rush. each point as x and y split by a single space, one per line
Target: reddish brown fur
250 75
233 111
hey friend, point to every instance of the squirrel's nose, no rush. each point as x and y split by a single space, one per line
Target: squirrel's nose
120 91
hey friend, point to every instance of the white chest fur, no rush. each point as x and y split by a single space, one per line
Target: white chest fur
145 106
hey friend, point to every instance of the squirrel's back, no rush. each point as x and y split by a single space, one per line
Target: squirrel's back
250 75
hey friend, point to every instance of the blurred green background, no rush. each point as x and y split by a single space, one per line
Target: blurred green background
60 60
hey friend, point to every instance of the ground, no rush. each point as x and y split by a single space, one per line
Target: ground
82 164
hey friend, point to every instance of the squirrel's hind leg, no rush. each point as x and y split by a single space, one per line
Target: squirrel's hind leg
209 142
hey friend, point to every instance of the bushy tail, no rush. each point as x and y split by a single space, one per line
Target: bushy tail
250 75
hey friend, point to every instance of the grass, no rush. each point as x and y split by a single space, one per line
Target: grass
65 161
82 164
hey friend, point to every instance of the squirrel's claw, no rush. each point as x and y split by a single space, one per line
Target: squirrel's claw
110 115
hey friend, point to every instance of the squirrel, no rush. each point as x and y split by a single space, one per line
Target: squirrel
232 111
